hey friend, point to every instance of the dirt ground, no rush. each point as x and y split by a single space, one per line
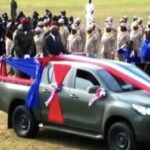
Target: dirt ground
45 140
48 140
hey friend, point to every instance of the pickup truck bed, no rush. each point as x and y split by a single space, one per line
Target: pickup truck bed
16 80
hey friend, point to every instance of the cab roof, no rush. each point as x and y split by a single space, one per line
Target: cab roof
78 64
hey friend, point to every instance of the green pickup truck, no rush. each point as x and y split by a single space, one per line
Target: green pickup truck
121 114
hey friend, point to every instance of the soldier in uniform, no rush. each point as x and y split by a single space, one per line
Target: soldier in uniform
46 25
92 42
38 39
80 32
122 38
127 24
141 28
64 32
23 42
97 30
135 37
135 18
11 27
2 38
64 17
108 41
73 42
35 18
109 22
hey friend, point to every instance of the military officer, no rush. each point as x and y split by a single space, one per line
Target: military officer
108 43
122 38
135 37
64 32
92 42
73 41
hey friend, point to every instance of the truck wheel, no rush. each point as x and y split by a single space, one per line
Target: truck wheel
120 137
24 123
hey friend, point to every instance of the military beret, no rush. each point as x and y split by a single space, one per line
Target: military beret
25 21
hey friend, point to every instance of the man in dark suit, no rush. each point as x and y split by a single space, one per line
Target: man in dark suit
52 44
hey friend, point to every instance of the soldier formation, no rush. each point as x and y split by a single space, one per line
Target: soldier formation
23 36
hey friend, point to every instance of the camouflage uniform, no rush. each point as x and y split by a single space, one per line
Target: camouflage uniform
108 45
64 33
23 43
38 39
81 33
98 32
135 37
73 43
122 39
92 43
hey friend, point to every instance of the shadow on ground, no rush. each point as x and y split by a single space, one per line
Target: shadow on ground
76 142
71 141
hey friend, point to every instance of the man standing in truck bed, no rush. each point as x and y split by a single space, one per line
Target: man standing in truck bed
23 42
52 43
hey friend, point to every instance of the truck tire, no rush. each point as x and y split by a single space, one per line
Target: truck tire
23 122
120 137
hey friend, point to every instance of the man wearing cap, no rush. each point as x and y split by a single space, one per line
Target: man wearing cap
123 37
73 41
46 25
80 32
91 44
127 24
97 30
109 22
108 43
141 27
64 32
63 15
38 39
23 42
52 44
135 18
40 24
135 37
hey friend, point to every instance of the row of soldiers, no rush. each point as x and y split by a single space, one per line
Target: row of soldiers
91 40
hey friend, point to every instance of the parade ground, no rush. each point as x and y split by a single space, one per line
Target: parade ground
115 8
52 140
45 140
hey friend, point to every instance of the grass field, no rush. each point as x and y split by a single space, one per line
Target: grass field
103 8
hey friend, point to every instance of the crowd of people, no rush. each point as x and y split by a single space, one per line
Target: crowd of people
29 36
